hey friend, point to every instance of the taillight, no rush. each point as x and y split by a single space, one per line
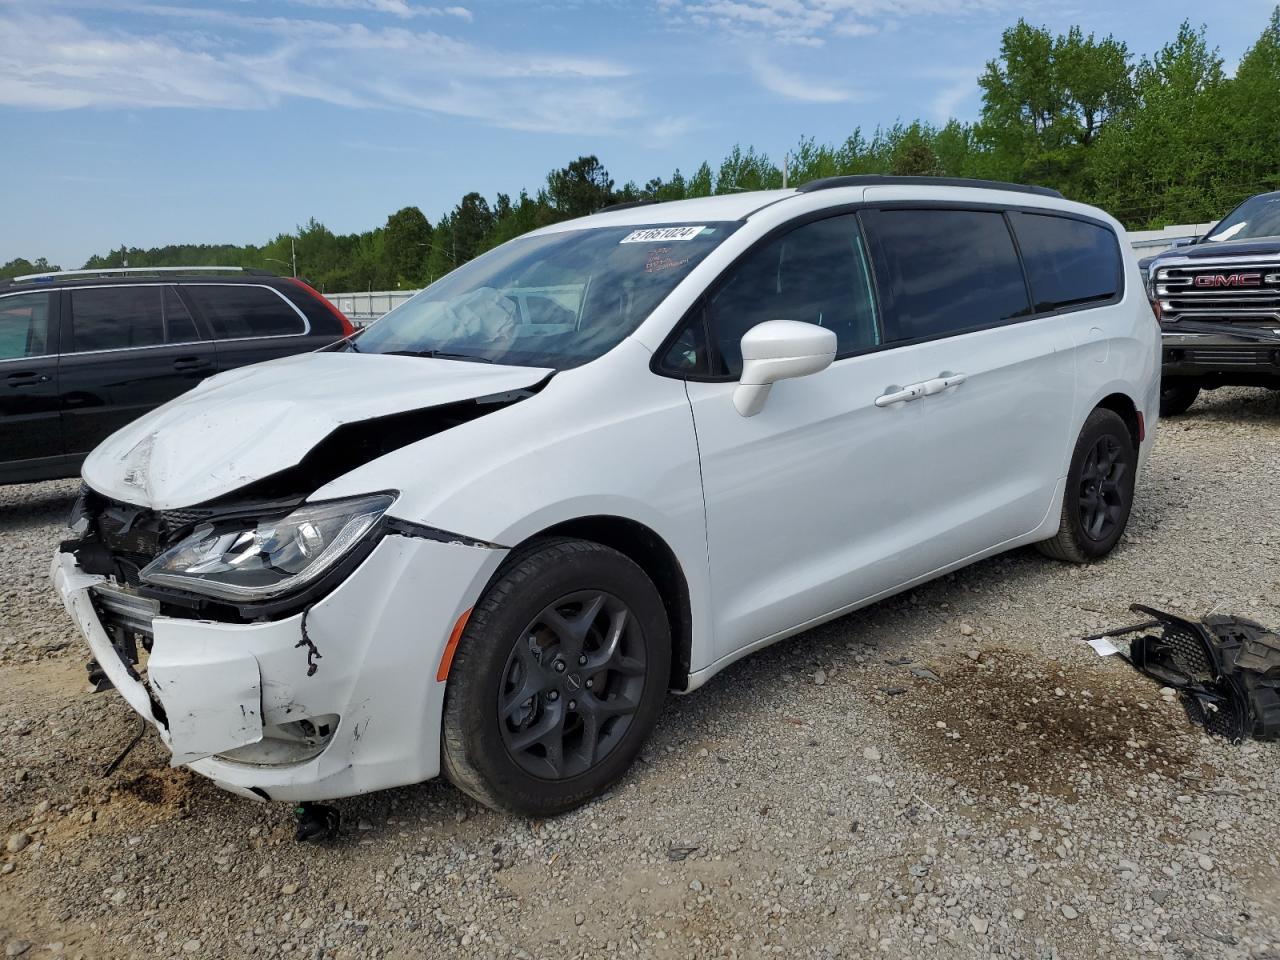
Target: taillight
347 328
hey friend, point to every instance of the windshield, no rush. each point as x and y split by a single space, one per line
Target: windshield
557 300
1256 217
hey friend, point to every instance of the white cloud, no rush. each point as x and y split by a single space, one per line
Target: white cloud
666 129
55 62
950 97
811 22
959 84
395 8
793 87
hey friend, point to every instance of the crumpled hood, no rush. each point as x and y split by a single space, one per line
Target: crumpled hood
247 424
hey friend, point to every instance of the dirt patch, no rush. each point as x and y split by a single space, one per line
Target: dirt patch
169 787
1007 723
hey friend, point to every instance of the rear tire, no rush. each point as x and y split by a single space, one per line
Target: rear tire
1177 396
558 679
1099 492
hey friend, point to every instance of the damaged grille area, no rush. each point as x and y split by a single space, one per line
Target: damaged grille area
118 540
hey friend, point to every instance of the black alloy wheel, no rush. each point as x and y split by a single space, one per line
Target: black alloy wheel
1102 493
1099 492
557 680
572 685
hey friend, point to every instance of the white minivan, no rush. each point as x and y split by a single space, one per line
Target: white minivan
489 533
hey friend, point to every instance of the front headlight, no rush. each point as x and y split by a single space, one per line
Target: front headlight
271 558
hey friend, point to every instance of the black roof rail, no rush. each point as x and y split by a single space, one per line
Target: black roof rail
883 180
626 205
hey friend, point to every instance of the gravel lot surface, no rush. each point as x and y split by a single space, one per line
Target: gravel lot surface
949 773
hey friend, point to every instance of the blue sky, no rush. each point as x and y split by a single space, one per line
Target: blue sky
233 120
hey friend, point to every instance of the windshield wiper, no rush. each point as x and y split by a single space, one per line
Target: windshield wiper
437 355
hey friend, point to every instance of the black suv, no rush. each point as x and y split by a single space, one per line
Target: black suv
84 352
1218 300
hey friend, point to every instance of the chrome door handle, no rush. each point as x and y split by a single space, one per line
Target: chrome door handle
943 382
913 392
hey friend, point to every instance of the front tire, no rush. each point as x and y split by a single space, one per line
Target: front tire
1099 493
558 679
1177 396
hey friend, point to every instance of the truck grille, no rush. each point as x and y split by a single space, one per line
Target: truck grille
1243 357
1234 292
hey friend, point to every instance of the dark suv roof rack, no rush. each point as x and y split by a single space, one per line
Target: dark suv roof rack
881 180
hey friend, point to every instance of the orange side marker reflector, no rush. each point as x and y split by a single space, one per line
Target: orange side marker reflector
446 659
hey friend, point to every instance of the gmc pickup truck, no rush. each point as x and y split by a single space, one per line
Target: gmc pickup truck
1218 302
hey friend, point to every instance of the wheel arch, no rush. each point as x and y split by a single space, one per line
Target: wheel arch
1123 406
654 556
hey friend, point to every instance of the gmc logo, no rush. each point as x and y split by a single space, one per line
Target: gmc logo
1229 280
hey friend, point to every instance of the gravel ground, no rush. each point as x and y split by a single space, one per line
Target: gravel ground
948 773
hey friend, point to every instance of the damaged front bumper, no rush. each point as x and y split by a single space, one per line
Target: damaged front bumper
338 699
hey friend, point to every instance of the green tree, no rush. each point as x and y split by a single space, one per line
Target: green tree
913 153
19 267
406 244
700 182
1164 160
811 160
581 188
747 170
1251 140
1046 99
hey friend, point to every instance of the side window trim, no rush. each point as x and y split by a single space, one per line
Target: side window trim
53 328
1022 265
213 329
698 312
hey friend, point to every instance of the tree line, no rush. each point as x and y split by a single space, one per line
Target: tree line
1165 138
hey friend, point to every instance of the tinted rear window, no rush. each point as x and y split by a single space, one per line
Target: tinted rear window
245 311
1068 261
116 318
945 271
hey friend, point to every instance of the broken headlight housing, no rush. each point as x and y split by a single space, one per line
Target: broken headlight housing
271 557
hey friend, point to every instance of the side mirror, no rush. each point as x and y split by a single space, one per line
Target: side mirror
778 350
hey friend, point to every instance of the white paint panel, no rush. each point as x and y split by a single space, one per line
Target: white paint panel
211 692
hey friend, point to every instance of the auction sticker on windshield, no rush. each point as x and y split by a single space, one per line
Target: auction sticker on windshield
662 234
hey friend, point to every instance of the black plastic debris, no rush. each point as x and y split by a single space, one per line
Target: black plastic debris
98 677
316 821
1227 669
110 768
